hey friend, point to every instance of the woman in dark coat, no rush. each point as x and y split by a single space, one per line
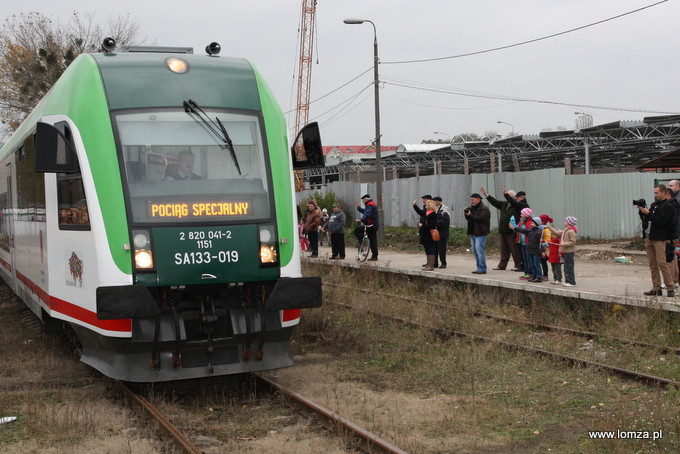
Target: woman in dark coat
429 223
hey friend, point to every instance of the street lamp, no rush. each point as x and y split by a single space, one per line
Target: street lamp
584 120
376 84
511 126
447 135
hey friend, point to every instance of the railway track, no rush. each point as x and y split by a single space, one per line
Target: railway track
366 441
663 349
649 380
362 439
180 439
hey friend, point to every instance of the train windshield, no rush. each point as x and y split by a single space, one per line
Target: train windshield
177 170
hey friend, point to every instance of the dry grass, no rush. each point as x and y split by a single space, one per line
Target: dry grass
434 395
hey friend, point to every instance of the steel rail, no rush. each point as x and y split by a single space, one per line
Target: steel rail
663 349
625 373
369 442
179 437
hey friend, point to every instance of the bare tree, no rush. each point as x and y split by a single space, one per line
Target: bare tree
35 51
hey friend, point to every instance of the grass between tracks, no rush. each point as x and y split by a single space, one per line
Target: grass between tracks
478 397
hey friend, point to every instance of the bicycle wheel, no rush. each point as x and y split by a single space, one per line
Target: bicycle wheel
364 249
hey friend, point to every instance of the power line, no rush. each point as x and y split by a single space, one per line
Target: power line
447 107
346 101
536 101
494 49
341 86
340 114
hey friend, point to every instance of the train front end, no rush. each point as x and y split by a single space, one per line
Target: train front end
215 285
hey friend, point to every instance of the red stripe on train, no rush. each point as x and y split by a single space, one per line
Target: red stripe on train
6 265
76 312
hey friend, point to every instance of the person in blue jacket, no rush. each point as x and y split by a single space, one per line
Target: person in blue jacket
369 217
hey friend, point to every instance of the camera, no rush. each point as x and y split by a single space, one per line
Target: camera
640 203
468 209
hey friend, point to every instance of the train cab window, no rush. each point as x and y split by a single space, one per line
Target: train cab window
171 159
73 214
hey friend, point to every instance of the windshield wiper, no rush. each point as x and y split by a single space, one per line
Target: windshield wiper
217 129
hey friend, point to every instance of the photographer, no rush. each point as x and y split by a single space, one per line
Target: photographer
656 221
479 223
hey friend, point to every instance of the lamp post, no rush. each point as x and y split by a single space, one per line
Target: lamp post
584 120
447 135
511 126
376 84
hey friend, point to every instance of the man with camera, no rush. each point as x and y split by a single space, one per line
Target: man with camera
655 223
479 223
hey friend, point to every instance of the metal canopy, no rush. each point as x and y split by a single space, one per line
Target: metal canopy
612 146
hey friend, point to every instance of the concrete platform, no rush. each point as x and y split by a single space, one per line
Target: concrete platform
603 281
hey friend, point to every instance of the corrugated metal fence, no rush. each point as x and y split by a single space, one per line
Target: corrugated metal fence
601 202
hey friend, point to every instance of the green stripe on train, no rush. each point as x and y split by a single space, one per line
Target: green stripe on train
279 156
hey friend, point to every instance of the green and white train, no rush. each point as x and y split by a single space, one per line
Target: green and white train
148 207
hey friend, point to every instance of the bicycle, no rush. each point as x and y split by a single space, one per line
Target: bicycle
364 245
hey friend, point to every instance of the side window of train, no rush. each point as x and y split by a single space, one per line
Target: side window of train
5 213
71 201
30 185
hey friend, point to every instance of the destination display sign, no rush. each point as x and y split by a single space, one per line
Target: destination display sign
182 210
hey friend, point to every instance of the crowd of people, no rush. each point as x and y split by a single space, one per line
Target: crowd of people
532 241
316 221
661 230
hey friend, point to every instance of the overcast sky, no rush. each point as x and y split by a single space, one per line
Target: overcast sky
628 63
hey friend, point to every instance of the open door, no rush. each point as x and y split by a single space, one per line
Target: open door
307 151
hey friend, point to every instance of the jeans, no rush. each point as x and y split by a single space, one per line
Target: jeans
525 260
477 243
535 260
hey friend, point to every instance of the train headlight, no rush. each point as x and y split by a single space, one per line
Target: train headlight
141 241
268 254
177 65
266 235
143 250
143 259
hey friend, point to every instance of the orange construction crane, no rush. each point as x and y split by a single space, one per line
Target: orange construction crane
307 24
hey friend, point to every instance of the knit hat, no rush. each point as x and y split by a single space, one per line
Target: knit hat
475 196
526 212
545 218
520 194
365 196
571 220
426 196
437 199
537 220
